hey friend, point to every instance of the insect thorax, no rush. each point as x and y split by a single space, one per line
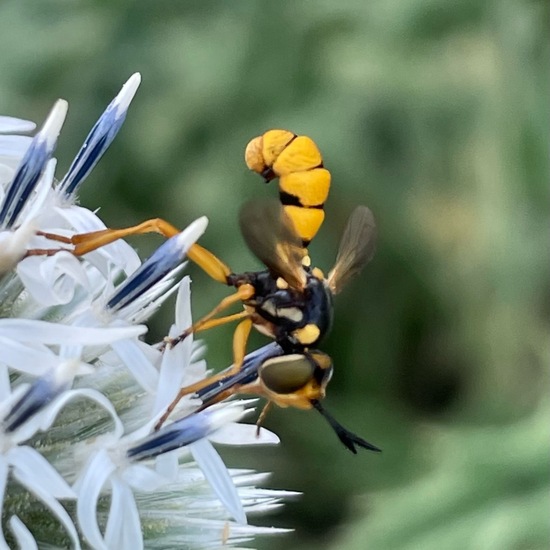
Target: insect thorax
295 319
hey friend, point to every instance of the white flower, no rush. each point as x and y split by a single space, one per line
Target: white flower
80 392
33 472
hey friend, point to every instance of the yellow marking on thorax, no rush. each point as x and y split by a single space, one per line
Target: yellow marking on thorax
318 274
281 283
293 314
308 334
269 307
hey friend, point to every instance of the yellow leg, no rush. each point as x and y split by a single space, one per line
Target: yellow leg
55 237
209 263
44 251
218 321
193 388
87 242
244 292
262 416
226 533
187 390
240 339
204 326
50 251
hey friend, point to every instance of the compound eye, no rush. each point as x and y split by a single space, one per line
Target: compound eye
287 374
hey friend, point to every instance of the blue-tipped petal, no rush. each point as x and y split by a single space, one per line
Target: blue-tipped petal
158 265
184 432
100 137
32 166
176 435
40 394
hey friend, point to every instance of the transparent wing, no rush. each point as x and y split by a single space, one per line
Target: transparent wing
270 235
356 248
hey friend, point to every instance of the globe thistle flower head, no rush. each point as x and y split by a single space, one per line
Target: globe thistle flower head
80 390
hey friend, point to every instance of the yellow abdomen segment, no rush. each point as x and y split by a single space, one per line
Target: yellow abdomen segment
299 155
310 187
307 221
303 181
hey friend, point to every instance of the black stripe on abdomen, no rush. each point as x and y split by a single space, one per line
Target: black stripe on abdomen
287 199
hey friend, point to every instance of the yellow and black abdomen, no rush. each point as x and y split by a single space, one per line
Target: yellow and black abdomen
303 181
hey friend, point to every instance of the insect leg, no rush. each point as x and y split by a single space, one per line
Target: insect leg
240 338
209 263
218 321
87 242
44 251
262 416
194 388
187 390
244 292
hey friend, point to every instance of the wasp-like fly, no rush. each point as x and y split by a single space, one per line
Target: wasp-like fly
290 301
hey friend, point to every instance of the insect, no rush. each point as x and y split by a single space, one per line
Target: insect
289 301
293 305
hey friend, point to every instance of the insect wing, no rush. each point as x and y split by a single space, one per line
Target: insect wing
270 235
356 248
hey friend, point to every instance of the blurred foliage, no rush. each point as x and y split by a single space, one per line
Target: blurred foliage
435 114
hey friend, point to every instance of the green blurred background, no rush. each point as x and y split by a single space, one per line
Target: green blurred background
435 114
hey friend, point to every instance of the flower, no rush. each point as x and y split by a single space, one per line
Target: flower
80 391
